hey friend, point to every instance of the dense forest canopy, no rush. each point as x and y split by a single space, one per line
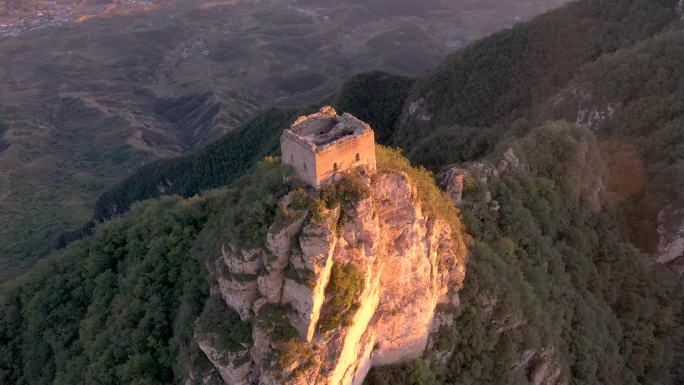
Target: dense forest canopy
119 307
498 79
642 141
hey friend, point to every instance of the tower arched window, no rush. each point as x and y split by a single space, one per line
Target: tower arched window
335 166
358 157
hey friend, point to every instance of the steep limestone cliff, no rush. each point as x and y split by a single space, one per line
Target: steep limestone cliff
348 279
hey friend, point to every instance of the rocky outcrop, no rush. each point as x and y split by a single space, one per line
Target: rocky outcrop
540 367
237 278
314 261
597 115
579 104
453 182
417 110
671 237
233 369
406 263
509 162
467 185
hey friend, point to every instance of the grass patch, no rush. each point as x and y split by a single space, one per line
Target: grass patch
296 352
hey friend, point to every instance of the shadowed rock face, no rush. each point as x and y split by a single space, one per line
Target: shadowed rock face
671 237
408 263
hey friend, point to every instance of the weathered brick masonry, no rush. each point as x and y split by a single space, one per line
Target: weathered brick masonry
322 146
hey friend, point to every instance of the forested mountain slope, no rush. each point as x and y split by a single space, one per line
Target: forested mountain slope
632 99
499 78
613 65
218 164
119 307
554 293
558 162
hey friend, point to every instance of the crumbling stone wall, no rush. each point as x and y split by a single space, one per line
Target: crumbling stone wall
297 154
355 152
318 164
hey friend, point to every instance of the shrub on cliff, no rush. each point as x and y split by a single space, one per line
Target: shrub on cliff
345 194
296 356
232 334
272 318
416 372
346 284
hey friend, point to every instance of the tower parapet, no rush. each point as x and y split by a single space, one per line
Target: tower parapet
322 146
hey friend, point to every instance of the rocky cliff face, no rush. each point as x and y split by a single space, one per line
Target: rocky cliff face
458 182
338 291
671 238
579 103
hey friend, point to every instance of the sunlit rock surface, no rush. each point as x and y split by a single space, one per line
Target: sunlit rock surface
410 262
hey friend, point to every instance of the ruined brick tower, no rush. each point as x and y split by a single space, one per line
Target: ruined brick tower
322 146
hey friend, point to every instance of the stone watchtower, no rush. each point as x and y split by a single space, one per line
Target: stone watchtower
321 146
